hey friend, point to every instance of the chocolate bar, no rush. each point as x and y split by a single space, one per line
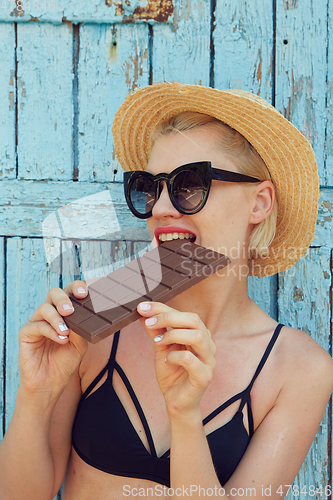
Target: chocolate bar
159 275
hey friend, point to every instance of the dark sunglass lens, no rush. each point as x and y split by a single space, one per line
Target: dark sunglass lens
188 190
142 195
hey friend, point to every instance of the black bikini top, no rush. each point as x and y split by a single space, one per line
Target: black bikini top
104 437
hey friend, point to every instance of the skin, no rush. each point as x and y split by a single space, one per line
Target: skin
209 342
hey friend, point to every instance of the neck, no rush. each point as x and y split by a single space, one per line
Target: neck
222 302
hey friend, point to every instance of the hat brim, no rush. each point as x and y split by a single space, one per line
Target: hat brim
286 152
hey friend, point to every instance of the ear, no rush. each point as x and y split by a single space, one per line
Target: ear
263 202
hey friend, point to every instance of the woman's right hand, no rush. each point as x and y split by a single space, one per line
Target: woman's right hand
49 355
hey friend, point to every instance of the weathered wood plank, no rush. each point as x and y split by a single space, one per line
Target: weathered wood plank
324 228
2 333
113 61
7 103
304 303
28 282
243 48
301 70
328 170
76 11
24 206
304 295
45 101
181 50
263 292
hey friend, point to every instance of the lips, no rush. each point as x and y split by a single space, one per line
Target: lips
172 233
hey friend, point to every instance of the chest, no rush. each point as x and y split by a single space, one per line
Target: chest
136 388
113 433
233 372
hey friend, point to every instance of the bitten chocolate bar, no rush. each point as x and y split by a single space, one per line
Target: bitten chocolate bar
160 275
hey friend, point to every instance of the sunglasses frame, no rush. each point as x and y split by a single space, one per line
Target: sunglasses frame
203 168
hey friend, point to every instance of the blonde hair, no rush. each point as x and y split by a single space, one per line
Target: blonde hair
232 144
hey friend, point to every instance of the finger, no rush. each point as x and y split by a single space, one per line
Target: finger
151 308
201 344
34 332
46 313
77 288
199 373
78 342
174 319
60 298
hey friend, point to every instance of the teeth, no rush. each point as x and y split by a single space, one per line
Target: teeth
175 236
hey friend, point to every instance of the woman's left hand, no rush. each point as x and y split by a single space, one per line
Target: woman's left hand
184 356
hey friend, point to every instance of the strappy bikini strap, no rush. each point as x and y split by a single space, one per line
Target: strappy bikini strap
222 407
109 366
138 409
112 359
245 396
250 417
265 356
246 399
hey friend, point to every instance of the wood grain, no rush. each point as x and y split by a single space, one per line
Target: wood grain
181 50
7 102
304 302
24 206
301 71
44 101
113 61
2 335
244 48
99 11
263 292
328 166
28 282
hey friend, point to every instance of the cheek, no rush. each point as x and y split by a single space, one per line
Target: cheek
224 202
227 213
150 226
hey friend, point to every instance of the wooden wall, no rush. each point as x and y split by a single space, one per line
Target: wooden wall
65 67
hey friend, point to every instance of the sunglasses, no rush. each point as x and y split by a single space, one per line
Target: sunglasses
188 187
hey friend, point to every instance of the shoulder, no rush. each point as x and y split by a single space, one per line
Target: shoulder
301 383
300 347
306 364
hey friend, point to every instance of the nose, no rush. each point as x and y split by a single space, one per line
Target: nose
163 206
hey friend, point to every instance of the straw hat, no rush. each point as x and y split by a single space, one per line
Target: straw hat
285 151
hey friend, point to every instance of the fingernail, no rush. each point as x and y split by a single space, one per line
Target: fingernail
81 290
67 307
62 337
145 306
63 327
158 338
150 321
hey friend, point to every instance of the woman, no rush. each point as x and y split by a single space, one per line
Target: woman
204 391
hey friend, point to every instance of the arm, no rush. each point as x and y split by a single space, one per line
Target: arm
282 439
35 449
278 447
